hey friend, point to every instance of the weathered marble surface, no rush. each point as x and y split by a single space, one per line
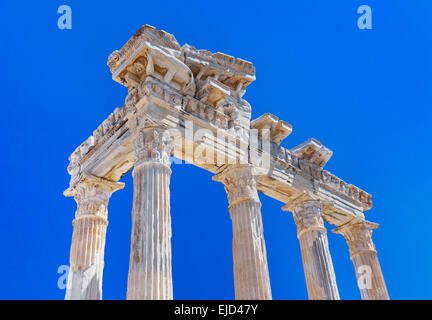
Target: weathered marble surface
251 276
88 240
358 234
150 274
177 85
188 103
317 262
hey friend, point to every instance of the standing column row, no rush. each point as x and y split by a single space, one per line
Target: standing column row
317 262
88 240
150 275
251 276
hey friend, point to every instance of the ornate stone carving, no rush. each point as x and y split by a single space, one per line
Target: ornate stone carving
314 152
312 235
236 73
308 216
150 274
251 276
348 190
358 234
240 183
151 52
182 88
145 33
278 130
153 144
91 194
213 92
114 121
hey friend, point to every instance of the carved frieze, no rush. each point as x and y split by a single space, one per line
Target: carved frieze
158 71
234 72
213 92
100 135
348 190
145 33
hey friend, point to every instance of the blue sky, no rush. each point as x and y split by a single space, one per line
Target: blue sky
365 94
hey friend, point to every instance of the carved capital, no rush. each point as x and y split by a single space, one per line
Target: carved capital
91 194
240 183
153 144
307 215
358 234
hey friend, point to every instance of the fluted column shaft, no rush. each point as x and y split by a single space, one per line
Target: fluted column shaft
370 279
317 262
251 276
150 275
88 240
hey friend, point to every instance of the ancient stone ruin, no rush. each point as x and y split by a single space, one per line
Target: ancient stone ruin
187 104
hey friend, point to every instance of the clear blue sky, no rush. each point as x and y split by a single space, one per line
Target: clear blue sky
365 94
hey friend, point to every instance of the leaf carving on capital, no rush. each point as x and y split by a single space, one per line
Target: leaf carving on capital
308 215
240 183
153 145
92 194
358 236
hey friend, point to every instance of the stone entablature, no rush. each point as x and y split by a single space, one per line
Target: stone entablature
204 116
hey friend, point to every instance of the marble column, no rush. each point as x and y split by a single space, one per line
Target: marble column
150 275
251 276
317 262
91 194
358 234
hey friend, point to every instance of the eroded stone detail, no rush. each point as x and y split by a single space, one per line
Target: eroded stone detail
317 262
150 275
153 145
178 87
251 277
358 234
308 216
277 130
88 240
240 183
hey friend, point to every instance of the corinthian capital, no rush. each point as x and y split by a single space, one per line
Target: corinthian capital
358 234
307 214
153 144
92 193
240 183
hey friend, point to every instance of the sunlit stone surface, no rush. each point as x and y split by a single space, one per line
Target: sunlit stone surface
358 234
317 262
188 103
251 276
88 240
150 275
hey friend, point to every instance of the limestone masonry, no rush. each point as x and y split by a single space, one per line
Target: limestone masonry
187 103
